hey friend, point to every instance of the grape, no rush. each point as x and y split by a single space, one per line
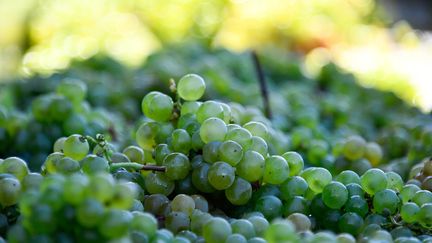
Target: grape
189 235
421 197
115 223
243 227
196 161
221 175
226 112
124 193
296 204
408 191
230 152
241 136
158 183
90 213
74 189
281 231
269 206
350 223
293 186
355 189
209 109
191 87
200 203
354 147
394 181
239 192
177 166
257 129
9 191
335 195
190 107
198 219
200 178
216 230
409 212
236 238
260 224
157 106
251 167
92 164
76 147
14 166
386 200
181 141
295 162
188 123
59 144
154 203
51 162
259 145
373 153
73 89
134 154
425 215
358 205
183 203
276 170
31 181
213 129
146 135
211 151
348 176
256 240
317 178
300 221
177 221
345 238
373 181
164 235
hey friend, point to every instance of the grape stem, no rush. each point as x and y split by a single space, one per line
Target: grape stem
263 84
136 166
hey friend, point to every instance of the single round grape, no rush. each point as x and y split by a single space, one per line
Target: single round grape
354 147
345 238
296 204
295 162
189 235
421 197
177 166
276 170
210 109
73 89
200 178
200 203
300 221
251 167
408 191
373 181
348 176
213 129
191 87
14 166
92 164
394 181
425 215
58 145
216 230
67 165
386 200
101 187
157 106
190 107
259 145
115 223
31 181
76 147
355 189
164 235
181 141
335 195
90 213
358 205
281 231
243 227
409 212
134 154
197 143
177 221
373 153
221 175
198 219
236 238
74 188
351 223
158 183
10 189
230 152
240 192
260 224
317 178
211 151
124 194
183 203
270 206
146 135
154 203
241 136
293 186
257 129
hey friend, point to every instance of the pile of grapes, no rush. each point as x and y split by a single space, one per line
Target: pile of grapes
336 162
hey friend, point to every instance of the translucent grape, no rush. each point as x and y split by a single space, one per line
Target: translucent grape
351 223
213 129
293 186
177 166
146 135
134 153
276 170
300 221
200 178
358 205
394 181
354 147
259 145
115 223
236 238
75 147
295 162
144 222
408 191
251 167
409 212
191 87
386 200
281 231
335 195
177 221
93 164
425 215
181 141
157 106
240 192
243 227
10 189
373 180
90 213
58 145
348 176
190 107
260 224
14 166
73 89
317 178
210 109
230 152
241 136
183 203
200 203
269 206
256 129
221 175
421 197
158 183
373 153
216 230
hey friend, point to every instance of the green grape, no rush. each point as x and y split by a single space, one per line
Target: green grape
243 227
75 124
183 203
373 181
198 219
73 89
154 203
230 127
146 135
67 166
212 129
293 186
240 192
158 183
160 153
101 187
59 144
10 189
256 240
335 195
317 150
260 224
345 238
317 178
251 166
421 197
221 175
386 200
323 237
31 181
259 145
92 164
157 106
74 188
42 221
269 206
185 186
177 221
295 162
134 154
241 136
281 231
296 204
190 107
394 181
75 147
355 189
181 141
409 212
358 205
200 178
189 123
189 235
124 194
236 238
216 230
230 152
191 87
51 162
276 170
348 176
425 215
115 223
197 143
354 147
14 166
408 191
163 132
200 203
373 153
164 235
257 129
177 166
210 109
196 161
90 213
351 223
226 112
300 221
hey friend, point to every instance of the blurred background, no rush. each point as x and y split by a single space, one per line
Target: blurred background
386 44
